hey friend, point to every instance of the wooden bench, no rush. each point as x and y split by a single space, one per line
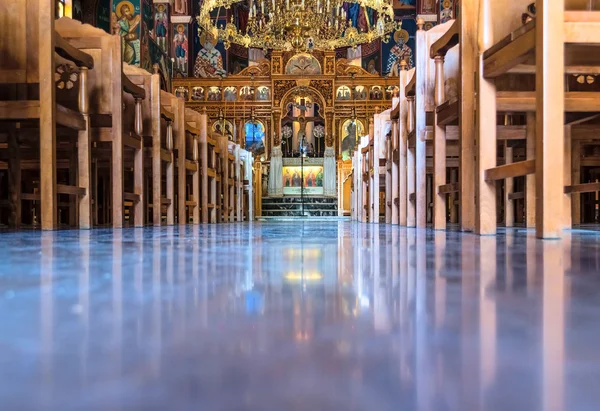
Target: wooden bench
44 104
538 58
189 168
116 124
160 120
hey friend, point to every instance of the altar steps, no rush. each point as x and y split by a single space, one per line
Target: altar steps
292 207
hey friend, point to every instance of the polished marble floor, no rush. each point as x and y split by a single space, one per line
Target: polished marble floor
298 316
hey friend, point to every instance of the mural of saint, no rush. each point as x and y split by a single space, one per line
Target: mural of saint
376 93
230 93
247 93
360 93
180 41
198 93
209 62
214 94
263 94
180 6
399 52
371 67
391 92
225 129
126 24
182 92
287 178
351 130
162 22
445 11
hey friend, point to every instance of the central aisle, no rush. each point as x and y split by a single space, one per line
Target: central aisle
298 316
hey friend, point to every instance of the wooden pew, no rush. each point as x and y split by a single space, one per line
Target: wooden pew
42 113
247 181
228 176
445 54
531 50
239 187
382 135
189 169
116 121
159 118
420 95
411 206
219 171
393 161
364 150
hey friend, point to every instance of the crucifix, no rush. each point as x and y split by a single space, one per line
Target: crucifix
303 106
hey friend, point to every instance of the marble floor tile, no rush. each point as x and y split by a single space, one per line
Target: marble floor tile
298 316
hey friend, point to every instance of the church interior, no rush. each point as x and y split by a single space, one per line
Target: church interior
367 204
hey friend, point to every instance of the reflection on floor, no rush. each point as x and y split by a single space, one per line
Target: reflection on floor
298 316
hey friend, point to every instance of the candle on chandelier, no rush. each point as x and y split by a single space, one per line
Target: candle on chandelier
262 6
287 4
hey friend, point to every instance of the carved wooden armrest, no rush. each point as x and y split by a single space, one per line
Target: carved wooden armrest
136 91
67 51
138 94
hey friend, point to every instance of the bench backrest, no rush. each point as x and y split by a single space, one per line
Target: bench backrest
105 85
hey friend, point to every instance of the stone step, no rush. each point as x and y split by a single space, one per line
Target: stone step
279 200
298 213
295 206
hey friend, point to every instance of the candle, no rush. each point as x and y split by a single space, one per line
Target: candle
262 6
318 5
287 4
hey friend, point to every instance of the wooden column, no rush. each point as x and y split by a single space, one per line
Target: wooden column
72 181
421 125
196 181
84 155
117 134
576 179
567 211
466 120
509 209
439 151
180 144
485 223
14 178
49 199
156 149
373 174
394 180
411 212
550 98
530 178
204 189
452 198
138 167
402 150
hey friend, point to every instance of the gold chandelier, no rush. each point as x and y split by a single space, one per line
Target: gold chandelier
300 25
